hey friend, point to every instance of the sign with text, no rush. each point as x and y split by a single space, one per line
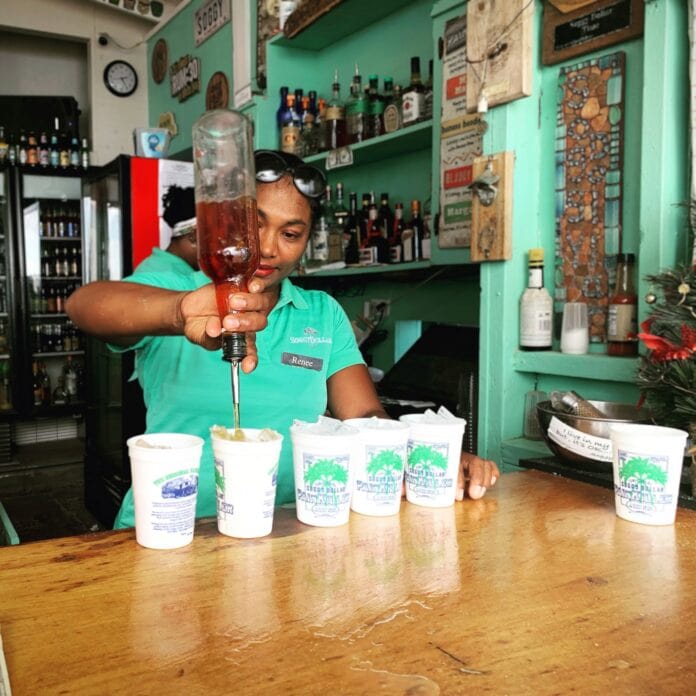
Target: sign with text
589 446
461 141
212 15
185 77
604 23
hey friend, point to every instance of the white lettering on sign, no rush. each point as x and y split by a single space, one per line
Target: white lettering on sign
213 15
590 446
184 76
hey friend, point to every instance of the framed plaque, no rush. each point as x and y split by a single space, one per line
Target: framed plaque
217 93
603 23
159 61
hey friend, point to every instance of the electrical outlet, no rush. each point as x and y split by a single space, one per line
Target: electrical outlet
371 308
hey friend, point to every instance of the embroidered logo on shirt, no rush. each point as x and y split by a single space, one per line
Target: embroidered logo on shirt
309 331
311 335
306 361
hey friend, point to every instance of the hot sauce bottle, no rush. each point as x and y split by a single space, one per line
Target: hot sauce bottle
622 313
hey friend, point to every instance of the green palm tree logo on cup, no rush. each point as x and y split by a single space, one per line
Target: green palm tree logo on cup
219 478
326 472
647 476
386 463
427 459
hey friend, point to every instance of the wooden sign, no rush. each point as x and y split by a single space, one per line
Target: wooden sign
491 225
159 61
587 29
589 175
217 94
499 52
210 17
184 76
570 5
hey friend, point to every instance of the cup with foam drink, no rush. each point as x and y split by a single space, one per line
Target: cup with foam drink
433 457
379 467
324 455
246 474
164 471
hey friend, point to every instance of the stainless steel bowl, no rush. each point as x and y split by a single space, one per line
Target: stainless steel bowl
599 427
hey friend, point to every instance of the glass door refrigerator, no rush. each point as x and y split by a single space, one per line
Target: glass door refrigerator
122 210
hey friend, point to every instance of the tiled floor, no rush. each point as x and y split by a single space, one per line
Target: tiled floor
42 492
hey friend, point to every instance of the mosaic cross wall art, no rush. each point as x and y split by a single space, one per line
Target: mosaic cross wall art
589 156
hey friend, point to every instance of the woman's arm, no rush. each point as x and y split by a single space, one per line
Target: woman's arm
123 313
351 394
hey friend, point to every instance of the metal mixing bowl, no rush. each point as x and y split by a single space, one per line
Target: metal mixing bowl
599 427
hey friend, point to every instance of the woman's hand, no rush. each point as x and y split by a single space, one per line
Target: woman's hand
200 321
480 474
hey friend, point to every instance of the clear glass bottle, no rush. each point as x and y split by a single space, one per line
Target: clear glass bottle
335 124
536 307
623 310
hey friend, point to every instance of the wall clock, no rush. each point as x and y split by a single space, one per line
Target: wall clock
120 78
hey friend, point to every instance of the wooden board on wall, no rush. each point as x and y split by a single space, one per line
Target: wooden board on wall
491 226
603 23
499 51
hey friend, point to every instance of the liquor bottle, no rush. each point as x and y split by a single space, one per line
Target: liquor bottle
12 154
5 388
336 131
322 139
308 136
351 231
320 231
32 150
4 146
84 154
36 385
60 395
426 237
74 263
65 263
413 100
536 307
375 118
416 224
74 152
291 130
363 219
70 376
622 321
51 306
45 385
63 151
429 91
44 152
340 211
54 150
46 263
385 216
375 236
22 149
356 110
392 107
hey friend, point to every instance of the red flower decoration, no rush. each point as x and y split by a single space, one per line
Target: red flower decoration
663 350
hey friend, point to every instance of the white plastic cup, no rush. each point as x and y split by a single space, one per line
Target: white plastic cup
575 332
433 458
323 465
246 474
647 462
379 466
164 470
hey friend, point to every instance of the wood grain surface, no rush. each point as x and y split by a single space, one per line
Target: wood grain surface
538 588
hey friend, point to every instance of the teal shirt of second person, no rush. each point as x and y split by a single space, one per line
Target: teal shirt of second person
163 261
187 389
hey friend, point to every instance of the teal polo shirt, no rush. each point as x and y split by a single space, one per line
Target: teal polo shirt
163 261
187 388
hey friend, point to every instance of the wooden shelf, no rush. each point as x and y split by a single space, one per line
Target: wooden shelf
410 139
342 20
590 366
363 270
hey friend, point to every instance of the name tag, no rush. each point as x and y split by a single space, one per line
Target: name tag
295 360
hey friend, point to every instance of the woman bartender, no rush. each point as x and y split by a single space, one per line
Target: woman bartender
303 360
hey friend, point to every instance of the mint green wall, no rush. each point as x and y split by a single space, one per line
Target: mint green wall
655 183
215 54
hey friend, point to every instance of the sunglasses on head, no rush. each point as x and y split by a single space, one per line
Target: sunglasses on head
272 166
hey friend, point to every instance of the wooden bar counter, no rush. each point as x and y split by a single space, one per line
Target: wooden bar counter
536 589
